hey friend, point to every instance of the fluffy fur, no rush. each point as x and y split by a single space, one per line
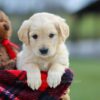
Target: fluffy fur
49 31
5 33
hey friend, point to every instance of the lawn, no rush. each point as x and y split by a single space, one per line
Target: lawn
86 84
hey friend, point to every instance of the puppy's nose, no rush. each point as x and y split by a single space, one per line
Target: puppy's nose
44 51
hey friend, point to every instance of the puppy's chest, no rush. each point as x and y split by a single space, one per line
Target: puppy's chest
43 65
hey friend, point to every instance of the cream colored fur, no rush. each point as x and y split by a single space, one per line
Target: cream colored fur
30 59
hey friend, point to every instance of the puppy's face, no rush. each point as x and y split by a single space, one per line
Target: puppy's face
44 34
43 39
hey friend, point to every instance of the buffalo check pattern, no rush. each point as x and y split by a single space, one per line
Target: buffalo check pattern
13 86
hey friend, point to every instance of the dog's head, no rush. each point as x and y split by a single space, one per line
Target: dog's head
44 33
5 26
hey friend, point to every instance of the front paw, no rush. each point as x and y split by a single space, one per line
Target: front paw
54 78
34 81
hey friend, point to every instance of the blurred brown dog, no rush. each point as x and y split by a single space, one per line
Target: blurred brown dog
8 50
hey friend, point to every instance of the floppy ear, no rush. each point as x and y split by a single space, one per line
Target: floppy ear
23 32
62 28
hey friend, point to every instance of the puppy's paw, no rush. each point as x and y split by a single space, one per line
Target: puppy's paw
34 81
54 78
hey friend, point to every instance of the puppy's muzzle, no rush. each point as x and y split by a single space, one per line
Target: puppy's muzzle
43 51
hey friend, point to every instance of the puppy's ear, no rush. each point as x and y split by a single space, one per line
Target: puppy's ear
62 28
23 32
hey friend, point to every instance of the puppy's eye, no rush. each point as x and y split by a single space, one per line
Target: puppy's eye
51 35
35 36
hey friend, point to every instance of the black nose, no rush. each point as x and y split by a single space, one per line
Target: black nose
44 51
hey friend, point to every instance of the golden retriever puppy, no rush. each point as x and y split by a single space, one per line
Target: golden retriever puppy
43 36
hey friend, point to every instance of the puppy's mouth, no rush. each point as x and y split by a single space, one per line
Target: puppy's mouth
44 53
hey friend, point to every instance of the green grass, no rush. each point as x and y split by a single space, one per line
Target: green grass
86 84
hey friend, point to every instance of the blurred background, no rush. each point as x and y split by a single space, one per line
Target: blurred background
83 17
